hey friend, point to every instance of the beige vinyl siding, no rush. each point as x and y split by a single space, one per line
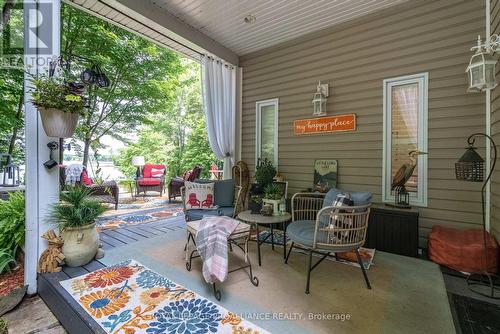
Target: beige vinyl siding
495 130
354 58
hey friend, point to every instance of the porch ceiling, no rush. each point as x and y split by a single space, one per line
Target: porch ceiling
276 21
218 27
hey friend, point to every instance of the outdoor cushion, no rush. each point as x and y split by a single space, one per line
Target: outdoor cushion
157 172
146 171
462 250
223 191
150 181
86 179
359 198
196 214
302 232
199 195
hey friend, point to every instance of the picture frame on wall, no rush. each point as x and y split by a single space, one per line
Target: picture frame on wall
325 175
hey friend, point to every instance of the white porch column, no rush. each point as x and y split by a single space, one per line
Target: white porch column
41 44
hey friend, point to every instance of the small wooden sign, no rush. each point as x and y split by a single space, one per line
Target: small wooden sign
311 126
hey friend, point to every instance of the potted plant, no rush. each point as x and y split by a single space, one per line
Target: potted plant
75 216
59 104
264 175
273 196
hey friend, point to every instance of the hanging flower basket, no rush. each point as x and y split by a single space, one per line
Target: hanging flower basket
59 103
58 123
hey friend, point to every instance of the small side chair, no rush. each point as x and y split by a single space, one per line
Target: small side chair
326 230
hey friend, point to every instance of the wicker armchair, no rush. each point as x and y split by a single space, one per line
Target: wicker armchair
147 182
106 192
326 230
176 183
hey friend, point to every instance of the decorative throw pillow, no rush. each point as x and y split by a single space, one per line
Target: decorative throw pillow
199 195
157 172
339 221
86 179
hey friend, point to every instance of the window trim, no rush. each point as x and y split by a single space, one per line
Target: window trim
422 79
258 138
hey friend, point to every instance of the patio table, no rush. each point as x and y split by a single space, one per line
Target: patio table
257 219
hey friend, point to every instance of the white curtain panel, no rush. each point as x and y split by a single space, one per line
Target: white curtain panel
219 103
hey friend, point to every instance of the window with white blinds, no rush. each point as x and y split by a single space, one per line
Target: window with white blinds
405 130
267 131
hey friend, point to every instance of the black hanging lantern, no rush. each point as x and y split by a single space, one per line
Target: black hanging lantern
470 167
101 80
10 174
88 76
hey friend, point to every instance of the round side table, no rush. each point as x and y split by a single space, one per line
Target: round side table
258 219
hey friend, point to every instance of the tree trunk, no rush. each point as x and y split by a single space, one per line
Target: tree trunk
15 131
86 152
6 12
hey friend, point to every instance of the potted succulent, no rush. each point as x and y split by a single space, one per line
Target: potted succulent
59 104
273 196
75 216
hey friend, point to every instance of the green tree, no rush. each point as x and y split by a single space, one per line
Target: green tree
143 76
11 86
177 136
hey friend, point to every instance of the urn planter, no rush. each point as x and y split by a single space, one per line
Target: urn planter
80 244
58 123
275 204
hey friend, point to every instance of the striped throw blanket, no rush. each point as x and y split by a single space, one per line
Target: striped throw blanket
211 241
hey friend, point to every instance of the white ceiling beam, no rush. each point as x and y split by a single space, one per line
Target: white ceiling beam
161 20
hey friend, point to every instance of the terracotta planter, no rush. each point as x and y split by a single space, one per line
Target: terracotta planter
57 123
80 244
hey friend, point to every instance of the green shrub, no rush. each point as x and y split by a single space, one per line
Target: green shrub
3 326
264 172
75 209
12 222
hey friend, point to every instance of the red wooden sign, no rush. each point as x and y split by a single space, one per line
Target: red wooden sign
339 123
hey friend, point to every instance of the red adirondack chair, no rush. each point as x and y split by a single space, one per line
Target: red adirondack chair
193 201
208 202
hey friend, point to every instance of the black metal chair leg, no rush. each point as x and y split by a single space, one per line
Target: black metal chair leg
258 245
272 237
284 240
217 293
368 285
309 271
289 251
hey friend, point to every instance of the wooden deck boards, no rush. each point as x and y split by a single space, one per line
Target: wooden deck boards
71 315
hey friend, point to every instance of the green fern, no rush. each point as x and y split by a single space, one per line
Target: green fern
76 208
7 260
12 222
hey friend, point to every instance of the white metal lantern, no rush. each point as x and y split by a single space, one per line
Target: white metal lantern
481 71
319 100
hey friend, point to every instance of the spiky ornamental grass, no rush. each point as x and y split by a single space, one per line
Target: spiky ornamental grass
76 208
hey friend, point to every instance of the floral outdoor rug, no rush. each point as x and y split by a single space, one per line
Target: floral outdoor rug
349 258
138 217
130 298
142 202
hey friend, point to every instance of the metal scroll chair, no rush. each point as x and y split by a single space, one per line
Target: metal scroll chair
326 230
239 238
